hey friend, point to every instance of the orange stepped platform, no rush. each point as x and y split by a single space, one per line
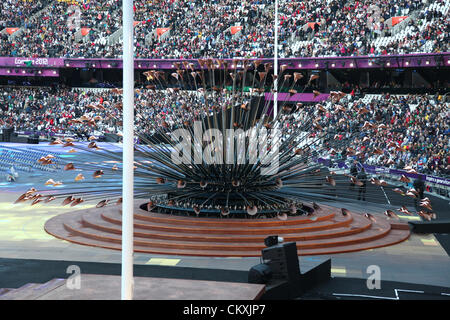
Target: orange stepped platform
327 231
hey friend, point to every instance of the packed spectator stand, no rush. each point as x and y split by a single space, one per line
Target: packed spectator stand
224 28
411 131
419 125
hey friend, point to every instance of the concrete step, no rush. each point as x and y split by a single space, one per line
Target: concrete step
5 290
32 291
19 293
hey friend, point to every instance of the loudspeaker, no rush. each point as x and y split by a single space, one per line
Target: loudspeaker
33 140
7 132
18 139
259 274
283 261
111 137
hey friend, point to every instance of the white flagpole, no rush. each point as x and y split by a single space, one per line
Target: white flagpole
128 151
275 67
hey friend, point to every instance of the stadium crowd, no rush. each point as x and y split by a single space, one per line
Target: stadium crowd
13 13
410 131
391 131
203 29
347 29
49 111
52 33
414 129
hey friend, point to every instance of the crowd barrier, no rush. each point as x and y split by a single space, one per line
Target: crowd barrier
434 184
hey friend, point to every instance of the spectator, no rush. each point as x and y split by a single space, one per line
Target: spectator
354 173
419 186
362 177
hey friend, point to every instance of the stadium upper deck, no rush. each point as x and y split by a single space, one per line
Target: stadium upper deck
224 28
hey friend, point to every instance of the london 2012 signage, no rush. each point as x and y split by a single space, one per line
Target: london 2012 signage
30 62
